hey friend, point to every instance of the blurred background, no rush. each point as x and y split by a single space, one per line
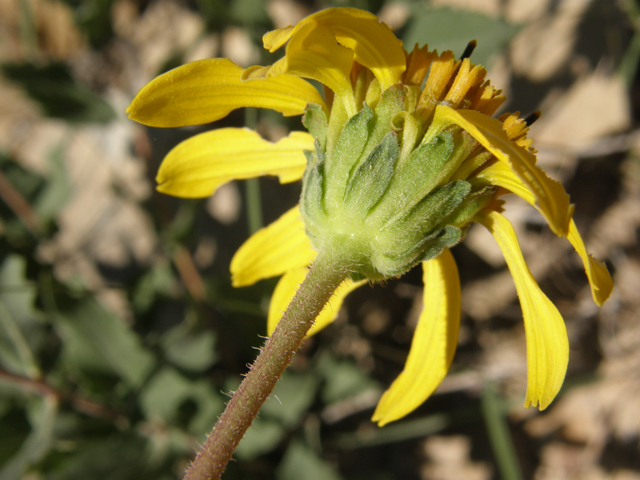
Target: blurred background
121 336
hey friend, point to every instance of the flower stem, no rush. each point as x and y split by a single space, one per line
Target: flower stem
325 275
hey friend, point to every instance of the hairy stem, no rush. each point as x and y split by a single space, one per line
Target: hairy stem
322 280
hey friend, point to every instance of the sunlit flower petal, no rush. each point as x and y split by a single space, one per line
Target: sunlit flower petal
313 53
599 279
547 342
434 342
198 166
502 175
273 250
374 44
551 198
207 90
275 39
286 289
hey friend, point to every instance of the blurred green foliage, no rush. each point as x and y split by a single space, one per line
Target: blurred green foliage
445 29
58 94
94 18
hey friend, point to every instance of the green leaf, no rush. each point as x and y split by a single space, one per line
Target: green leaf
168 391
57 93
122 456
446 29
497 423
16 291
94 18
263 436
402 431
292 397
189 349
26 182
157 281
215 13
96 339
40 440
57 189
302 462
210 406
19 332
163 394
249 11
342 379
631 60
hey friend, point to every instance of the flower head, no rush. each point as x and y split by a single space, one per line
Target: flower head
401 157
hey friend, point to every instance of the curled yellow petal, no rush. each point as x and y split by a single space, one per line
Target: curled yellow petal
550 197
314 53
599 279
434 342
547 342
275 39
286 289
273 250
502 175
597 273
373 43
196 167
207 90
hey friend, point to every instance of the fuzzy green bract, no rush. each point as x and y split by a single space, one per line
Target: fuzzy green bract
386 213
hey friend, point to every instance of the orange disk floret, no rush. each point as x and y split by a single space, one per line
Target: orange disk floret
418 63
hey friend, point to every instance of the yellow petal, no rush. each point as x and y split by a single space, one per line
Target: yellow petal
207 90
597 273
373 43
502 175
277 38
547 342
287 288
434 342
313 53
198 166
551 198
273 250
599 278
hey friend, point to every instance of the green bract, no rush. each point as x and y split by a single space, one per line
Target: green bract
382 205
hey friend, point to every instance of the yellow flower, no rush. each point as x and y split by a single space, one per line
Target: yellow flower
387 118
